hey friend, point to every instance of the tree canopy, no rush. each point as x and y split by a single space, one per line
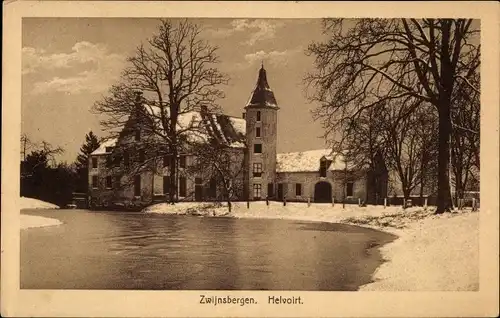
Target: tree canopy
366 63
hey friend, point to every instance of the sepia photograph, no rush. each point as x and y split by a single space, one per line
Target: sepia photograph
246 154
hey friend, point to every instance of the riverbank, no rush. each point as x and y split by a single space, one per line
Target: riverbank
435 253
32 221
418 260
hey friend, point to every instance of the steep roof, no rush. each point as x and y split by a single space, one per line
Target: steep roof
308 161
111 142
262 95
199 127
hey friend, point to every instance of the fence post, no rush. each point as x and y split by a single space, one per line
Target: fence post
308 201
425 204
473 204
385 203
333 201
284 201
267 200
359 201
248 204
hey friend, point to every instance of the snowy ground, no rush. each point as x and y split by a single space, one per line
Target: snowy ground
31 221
418 260
30 203
437 253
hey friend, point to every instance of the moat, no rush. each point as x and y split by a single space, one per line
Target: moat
117 250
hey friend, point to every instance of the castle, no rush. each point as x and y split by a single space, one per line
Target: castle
315 175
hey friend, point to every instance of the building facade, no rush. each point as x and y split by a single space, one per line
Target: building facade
315 175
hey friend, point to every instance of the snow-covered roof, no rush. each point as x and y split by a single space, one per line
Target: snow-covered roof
308 161
198 127
111 142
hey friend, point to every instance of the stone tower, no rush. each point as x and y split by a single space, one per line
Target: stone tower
261 114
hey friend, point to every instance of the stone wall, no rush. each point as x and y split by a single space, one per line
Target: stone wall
310 179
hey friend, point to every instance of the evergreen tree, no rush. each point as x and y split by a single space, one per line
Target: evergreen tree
91 144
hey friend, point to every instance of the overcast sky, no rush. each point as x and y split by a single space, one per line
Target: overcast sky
69 63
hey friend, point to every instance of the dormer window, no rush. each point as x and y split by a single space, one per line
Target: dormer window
322 168
109 149
258 115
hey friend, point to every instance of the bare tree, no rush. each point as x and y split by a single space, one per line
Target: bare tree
407 140
224 165
176 74
368 61
465 116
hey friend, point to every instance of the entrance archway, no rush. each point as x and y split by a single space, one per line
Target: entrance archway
323 192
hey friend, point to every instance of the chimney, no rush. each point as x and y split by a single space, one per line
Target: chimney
204 109
138 96
138 103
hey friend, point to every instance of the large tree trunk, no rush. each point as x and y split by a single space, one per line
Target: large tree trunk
444 105
444 194
173 175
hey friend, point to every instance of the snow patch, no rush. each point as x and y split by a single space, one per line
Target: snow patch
321 212
437 253
111 142
30 203
32 221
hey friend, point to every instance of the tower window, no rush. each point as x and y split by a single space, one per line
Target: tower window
94 162
257 148
258 115
257 170
257 132
257 190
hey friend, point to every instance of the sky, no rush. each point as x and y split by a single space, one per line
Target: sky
70 63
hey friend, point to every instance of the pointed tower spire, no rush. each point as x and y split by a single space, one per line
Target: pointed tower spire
262 95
